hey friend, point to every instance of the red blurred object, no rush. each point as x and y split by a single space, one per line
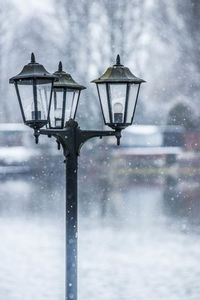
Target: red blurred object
191 141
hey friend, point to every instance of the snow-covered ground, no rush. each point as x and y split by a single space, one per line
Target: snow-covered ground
138 253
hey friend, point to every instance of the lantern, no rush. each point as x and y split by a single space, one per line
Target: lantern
118 91
66 93
34 90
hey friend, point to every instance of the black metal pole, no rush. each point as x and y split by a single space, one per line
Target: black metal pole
71 226
72 138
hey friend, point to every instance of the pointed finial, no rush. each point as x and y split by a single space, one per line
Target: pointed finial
32 58
60 67
118 60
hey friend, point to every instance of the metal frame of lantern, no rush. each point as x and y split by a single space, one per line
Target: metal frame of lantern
116 114
34 77
72 138
64 103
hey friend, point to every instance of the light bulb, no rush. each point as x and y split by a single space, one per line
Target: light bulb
118 108
118 112
58 112
58 117
36 115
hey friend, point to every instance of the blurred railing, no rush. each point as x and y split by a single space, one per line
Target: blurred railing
166 157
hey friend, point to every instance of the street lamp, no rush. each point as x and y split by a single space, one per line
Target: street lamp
66 93
34 90
118 91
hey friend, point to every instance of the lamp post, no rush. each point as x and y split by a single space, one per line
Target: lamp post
51 100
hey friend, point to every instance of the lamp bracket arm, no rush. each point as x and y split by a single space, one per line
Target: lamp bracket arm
54 132
85 135
73 138
63 137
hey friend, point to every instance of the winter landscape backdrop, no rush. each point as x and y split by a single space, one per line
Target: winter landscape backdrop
158 40
139 206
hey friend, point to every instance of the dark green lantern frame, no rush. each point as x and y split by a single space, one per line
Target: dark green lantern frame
117 75
33 74
65 85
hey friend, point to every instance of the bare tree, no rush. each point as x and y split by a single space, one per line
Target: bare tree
5 36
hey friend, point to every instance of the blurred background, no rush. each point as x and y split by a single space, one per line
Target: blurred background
139 203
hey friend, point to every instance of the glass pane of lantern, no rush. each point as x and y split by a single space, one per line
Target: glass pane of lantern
101 88
57 107
43 94
71 104
74 104
131 101
26 96
118 101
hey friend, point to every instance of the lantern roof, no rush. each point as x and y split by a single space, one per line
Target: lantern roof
65 80
118 74
33 70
